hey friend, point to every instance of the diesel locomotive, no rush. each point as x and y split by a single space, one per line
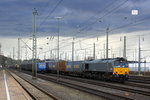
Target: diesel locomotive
108 69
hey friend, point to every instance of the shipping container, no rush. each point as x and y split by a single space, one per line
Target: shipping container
75 66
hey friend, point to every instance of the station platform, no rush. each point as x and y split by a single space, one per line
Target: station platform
10 89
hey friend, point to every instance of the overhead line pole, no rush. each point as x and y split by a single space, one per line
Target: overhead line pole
19 53
34 52
58 18
94 51
73 53
85 54
107 43
124 49
104 50
0 49
139 63
18 49
13 53
26 52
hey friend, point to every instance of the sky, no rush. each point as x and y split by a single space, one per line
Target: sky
85 20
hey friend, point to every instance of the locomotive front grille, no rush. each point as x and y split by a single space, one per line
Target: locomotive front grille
121 71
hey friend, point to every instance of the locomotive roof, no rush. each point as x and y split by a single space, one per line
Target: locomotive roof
106 60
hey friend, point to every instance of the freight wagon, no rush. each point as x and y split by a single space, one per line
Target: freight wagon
41 67
74 68
52 66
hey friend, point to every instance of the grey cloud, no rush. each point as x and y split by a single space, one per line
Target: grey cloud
16 15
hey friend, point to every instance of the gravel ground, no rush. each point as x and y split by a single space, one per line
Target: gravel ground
63 92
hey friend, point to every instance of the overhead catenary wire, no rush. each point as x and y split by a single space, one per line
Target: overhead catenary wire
122 26
111 11
104 15
51 12
100 18
45 7
119 6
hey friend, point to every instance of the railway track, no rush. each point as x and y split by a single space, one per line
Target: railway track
137 83
99 82
81 87
140 84
127 93
33 90
140 79
129 86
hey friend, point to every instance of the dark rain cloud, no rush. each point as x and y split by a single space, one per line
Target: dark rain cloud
86 16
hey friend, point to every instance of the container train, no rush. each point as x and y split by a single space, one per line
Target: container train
114 69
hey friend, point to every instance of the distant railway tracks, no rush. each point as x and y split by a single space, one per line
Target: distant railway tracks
139 88
104 89
33 90
140 79
138 83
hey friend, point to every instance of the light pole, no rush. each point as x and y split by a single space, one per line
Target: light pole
107 43
34 50
19 53
58 19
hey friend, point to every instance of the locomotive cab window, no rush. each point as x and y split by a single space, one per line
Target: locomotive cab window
118 64
86 66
